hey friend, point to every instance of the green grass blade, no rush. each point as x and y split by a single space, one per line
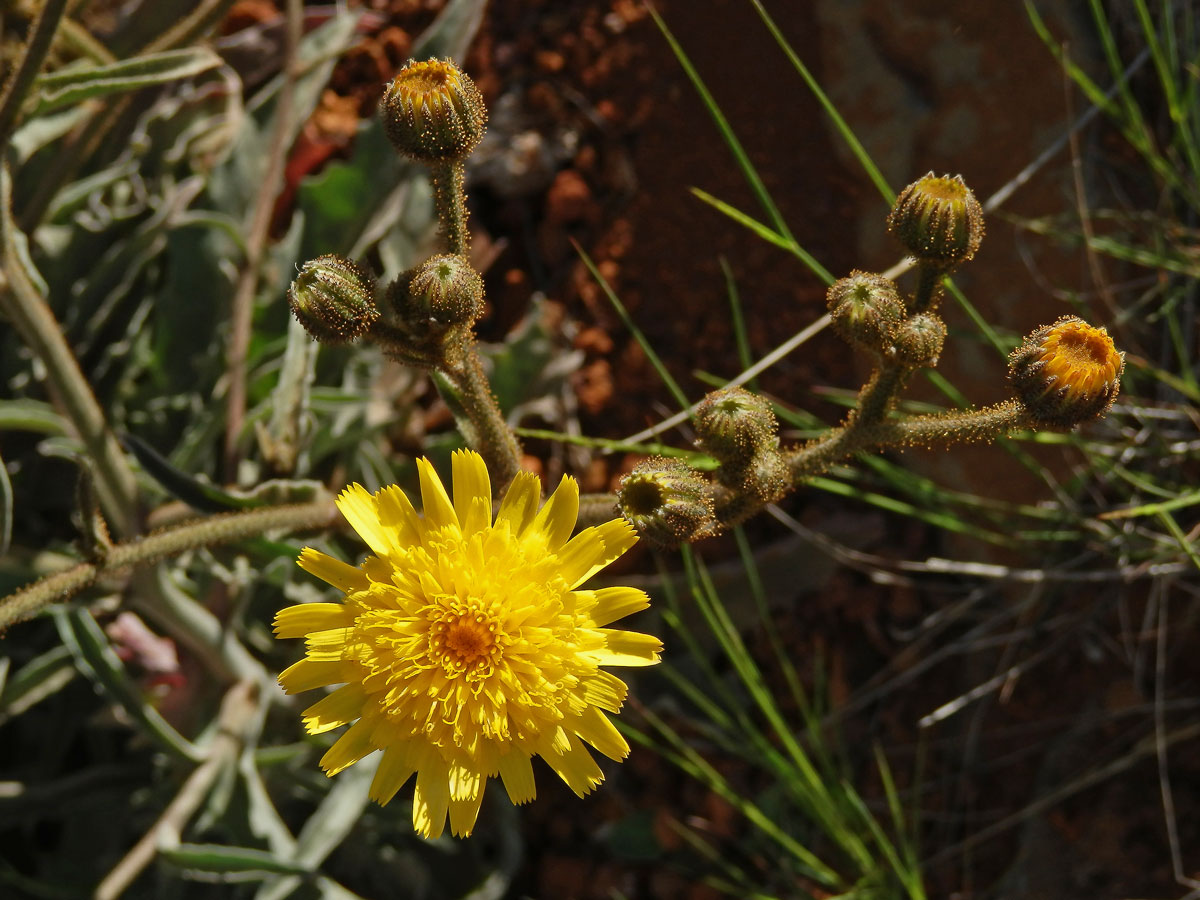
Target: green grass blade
743 160
772 237
846 132
647 348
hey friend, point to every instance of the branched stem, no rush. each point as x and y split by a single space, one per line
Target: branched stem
207 532
860 434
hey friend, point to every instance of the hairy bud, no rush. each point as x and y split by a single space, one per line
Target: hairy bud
919 341
667 501
938 220
433 112
334 299
866 310
734 425
1066 373
441 293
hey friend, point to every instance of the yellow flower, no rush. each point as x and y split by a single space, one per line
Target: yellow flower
466 647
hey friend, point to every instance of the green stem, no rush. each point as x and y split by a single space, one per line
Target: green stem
207 532
493 438
450 201
877 396
929 287
43 29
38 328
816 457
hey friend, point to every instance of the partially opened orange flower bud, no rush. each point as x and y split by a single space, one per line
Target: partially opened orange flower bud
1066 373
433 112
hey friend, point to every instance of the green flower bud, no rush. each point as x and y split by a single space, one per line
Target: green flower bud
938 220
667 501
733 425
919 341
441 293
1066 373
432 112
866 310
333 298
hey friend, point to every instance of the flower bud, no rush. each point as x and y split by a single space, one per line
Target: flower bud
866 309
666 500
439 294
433 112
733 425
938 220
1066 373
333 298
919 341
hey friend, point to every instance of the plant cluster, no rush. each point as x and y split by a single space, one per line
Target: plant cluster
469 641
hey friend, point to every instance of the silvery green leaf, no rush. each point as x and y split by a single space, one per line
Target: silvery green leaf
75 83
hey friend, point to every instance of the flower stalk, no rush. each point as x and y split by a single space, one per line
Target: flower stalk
209 532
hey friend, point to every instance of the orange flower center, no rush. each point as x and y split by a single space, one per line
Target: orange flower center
465 640
1080 358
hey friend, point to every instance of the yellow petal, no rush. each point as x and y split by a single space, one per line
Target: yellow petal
466 782
470 480
360 510
431 797
519 505
435 502
614 603
394 770
463 814
330 644
605 690
517 774
556 520
576 767
626 648
593 549
349 748
342 576
595 728
308 674
336 709
297 621
398 519
478 516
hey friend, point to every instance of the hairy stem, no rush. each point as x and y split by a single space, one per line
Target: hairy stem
451 204
815 457
929 287
208 532
493 438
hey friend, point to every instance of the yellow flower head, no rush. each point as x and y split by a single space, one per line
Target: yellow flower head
1067 373
464 646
